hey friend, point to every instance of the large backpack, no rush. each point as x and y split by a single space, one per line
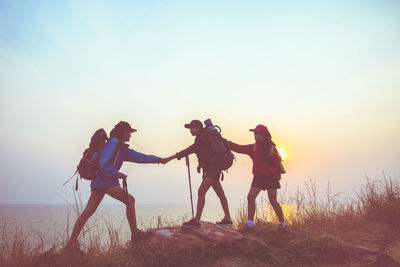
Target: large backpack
274 153
88 165
222 154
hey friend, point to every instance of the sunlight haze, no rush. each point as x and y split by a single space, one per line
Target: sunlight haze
324 77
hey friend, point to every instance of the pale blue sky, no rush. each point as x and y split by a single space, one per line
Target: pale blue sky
324 77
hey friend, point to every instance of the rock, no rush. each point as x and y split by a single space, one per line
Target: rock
385 260
172 235
238 262
207 233
215 233
394 251
164 232
365 248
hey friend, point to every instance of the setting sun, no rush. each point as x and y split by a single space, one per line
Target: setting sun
282 153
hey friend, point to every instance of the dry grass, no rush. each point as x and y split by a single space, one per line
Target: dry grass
379 200
314 221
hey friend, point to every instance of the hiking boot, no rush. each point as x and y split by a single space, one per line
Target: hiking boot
191 223
246 229
225 222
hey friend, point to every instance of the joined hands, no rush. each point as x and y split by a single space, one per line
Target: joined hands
166 160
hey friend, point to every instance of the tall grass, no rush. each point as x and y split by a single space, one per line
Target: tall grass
378 200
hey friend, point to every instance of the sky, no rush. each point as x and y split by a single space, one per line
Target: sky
323 76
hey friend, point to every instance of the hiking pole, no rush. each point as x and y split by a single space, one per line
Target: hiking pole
190 184
128 205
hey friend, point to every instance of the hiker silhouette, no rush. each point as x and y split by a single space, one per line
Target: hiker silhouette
114 153
266 170
211 166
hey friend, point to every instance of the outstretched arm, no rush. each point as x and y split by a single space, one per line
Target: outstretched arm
243 149
134 156
191 149
186 152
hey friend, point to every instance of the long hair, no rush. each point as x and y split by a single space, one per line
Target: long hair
266 146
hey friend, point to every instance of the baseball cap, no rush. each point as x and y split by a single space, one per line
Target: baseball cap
260 129
125 126
194 123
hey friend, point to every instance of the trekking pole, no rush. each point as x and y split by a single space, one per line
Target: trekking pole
190 184
128 205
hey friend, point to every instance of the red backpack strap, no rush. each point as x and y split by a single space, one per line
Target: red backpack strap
76 183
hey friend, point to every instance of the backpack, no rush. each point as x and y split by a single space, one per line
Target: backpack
88 165
275 154
222 154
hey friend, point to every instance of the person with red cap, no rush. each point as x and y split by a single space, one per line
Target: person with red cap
266 171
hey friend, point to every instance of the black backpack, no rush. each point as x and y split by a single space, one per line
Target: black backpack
222 154
88 165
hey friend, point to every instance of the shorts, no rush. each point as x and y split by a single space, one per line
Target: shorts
265 182
99 190
212 172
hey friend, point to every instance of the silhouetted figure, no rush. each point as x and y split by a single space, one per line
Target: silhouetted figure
266 171
211 171
115 152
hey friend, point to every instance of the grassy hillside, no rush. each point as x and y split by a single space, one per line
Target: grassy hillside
364 231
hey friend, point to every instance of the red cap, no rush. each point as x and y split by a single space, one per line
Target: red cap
260 129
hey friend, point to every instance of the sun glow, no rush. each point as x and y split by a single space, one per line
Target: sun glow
282 153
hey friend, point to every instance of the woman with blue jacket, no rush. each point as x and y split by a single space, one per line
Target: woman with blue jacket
115 152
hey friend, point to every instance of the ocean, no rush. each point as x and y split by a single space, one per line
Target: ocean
52 223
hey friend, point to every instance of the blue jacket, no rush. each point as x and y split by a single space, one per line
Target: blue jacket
109 168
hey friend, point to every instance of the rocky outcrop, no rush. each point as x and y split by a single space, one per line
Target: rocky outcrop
214 236
207 233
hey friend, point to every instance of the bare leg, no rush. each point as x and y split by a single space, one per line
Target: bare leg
224 202
274 202
204 186
118 193
251 202
93 202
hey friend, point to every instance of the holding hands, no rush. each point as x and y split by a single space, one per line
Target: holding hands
166 160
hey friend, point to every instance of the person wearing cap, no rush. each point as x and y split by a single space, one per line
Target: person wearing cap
115 152
211 172
266 173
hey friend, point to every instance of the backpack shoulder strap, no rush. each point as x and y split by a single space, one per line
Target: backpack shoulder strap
115 153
